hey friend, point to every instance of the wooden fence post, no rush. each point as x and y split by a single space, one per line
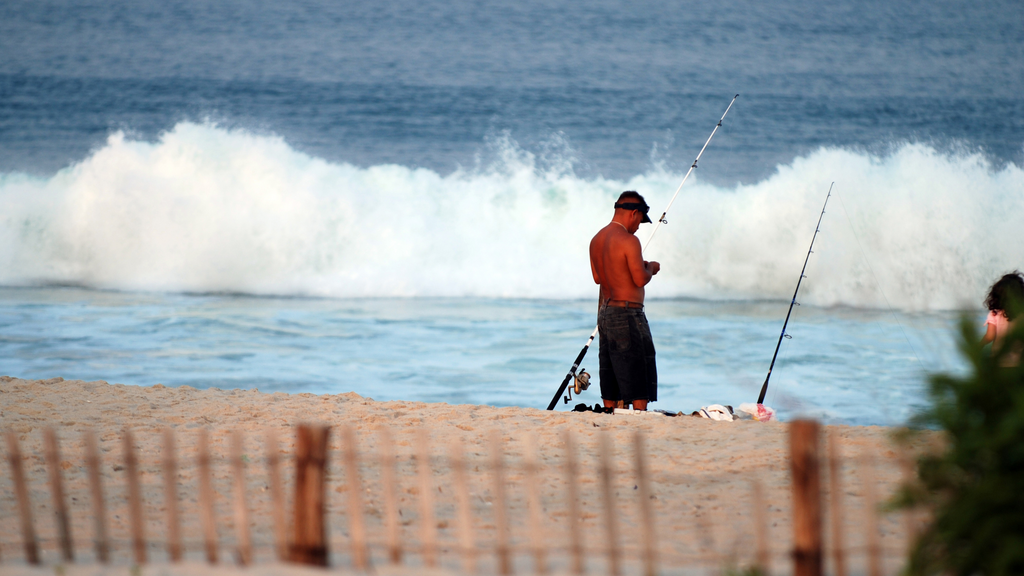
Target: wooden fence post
390 487
466 539
867 478
28 532
538 540
135 513
207 506
803 445
500 513
170 466
309 542
241 508
427 525
356 528
605 448
835 493
60 509
276 495
650 546
908 468
99 509
575 537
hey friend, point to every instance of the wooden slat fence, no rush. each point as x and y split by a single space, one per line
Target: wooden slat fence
326 504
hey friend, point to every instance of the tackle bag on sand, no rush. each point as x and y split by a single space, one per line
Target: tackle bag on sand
716 412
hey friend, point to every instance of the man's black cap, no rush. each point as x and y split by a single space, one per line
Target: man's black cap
640 205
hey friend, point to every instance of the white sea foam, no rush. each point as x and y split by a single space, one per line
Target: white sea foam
206 209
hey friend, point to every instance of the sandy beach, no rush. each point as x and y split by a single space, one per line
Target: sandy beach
702 474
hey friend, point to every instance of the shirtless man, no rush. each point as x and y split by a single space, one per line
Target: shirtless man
628 373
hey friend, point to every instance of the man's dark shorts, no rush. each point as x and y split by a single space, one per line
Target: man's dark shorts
627 355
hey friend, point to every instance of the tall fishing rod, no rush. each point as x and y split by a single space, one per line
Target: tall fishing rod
661 220
764 387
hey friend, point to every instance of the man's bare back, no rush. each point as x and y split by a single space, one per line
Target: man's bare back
628 373
617 262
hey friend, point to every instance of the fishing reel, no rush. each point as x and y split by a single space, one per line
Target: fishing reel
581 382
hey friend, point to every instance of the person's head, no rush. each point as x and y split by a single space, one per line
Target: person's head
1007 294
631 209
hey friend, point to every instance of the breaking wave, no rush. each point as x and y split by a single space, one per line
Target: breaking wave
205 209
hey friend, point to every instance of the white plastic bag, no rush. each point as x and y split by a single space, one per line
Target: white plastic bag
758 412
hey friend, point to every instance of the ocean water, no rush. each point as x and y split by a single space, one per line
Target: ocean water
842 364
396 198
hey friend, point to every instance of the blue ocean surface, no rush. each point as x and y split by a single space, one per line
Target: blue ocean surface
396 198
842 365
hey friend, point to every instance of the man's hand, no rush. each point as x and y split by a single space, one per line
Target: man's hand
652 267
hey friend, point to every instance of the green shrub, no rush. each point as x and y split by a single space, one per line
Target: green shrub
975 487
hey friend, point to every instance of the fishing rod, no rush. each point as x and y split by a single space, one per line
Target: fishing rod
582 383
764 387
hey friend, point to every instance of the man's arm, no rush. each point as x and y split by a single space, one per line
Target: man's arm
593 255
640 271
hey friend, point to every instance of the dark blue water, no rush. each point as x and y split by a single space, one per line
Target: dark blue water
415 83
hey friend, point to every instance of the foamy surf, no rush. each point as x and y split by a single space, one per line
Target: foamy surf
205 209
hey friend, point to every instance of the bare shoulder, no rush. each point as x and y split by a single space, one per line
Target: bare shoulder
624 240
602 234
